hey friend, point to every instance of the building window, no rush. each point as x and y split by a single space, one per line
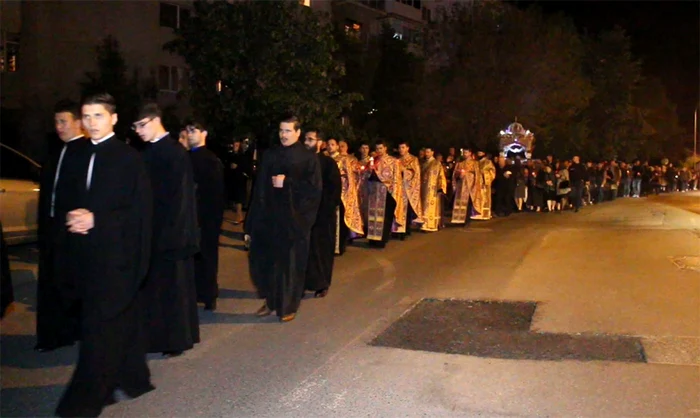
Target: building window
413 3
427 14
353 28
171 78
9 52
375 4
172 16
306 3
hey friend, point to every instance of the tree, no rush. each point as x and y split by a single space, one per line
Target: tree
655 123
614 74
490 62
111 77
394 94
252 61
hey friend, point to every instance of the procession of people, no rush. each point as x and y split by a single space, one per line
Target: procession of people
129 240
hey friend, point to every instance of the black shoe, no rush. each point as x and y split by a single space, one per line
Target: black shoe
210 306
174 353
321 293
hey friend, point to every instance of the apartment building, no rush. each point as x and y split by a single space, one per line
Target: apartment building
48 46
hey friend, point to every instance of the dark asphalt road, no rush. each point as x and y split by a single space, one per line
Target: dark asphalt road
320 364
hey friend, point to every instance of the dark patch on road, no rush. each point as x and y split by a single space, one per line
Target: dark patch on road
498 329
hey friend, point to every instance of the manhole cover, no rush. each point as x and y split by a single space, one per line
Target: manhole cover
498 329
687 263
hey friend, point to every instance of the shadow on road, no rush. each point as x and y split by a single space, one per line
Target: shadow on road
233 235
18 351
239 247
24 402
232 318
237 294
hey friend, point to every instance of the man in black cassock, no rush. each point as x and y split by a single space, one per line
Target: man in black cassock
111 214
211 202
58 304
504 186
285 201
171 294
319 270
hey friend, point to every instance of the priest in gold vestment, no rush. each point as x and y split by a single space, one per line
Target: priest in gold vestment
433 184
349 215
384 196
410 169
466 183
488 174
364 159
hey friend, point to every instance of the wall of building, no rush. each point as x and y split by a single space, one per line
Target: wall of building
57 47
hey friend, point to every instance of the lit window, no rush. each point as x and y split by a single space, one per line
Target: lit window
9 52
352 28
306 3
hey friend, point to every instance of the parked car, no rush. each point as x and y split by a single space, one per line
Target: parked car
19 196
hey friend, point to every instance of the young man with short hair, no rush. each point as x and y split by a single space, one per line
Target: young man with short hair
211 203
58 305
325 230
170 289
110 223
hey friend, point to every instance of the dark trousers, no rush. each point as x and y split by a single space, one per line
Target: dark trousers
112 355
575 195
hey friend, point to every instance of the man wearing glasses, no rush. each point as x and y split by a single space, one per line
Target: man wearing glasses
170 286
211 201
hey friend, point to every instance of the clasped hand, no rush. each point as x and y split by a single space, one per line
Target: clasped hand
80 221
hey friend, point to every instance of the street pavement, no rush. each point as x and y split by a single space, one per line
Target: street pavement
625 268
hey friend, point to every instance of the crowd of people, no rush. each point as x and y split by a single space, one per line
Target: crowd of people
129 239
128 245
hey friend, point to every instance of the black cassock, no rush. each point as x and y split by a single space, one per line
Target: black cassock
319 270
279 223
504 188
114 258
7 294
171 294
58 304
211 202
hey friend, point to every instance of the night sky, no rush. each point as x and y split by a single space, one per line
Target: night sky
665 36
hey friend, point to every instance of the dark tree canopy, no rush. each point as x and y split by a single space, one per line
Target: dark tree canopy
112 77
252 61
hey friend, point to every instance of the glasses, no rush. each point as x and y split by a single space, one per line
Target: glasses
141 125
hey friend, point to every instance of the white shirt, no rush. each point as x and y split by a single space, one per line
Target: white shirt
159 138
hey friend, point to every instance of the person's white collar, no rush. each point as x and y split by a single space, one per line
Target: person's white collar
98 141
159 138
